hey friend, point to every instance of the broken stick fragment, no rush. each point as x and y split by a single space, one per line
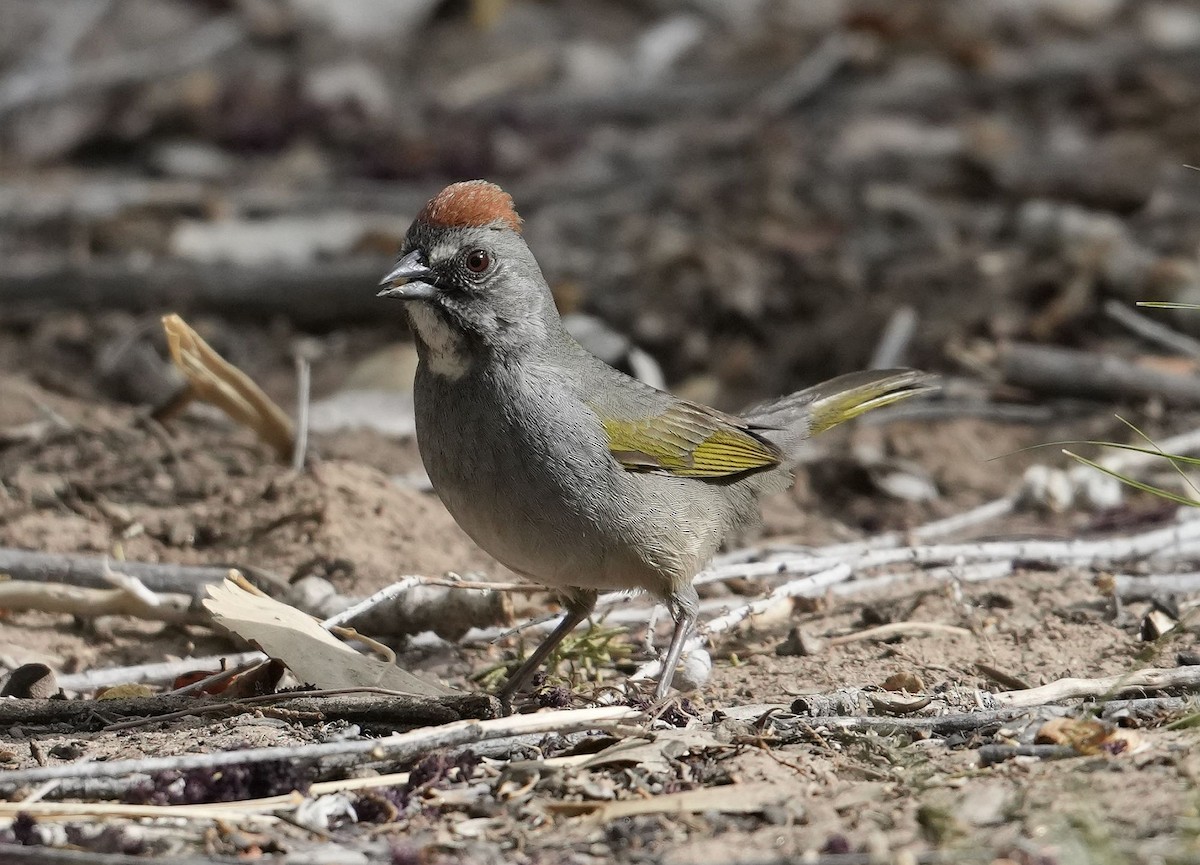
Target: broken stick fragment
217 381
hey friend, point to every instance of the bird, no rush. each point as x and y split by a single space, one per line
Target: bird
567 471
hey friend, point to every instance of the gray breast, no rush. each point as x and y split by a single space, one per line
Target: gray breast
526 472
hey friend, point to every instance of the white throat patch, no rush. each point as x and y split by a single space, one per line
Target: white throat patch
446 353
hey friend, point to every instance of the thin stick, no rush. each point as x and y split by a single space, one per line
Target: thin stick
1094 375
396 748
223 810
1162 541
67 810
896 337
1149 328
899 629
808 77
92 571
974 573
384 595
20 595
985 513
805 586
303 390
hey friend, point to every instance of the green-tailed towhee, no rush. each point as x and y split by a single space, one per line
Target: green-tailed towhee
566 470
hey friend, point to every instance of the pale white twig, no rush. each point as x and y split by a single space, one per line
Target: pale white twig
1126 584
899 629
58 598
384 595
130 584
811 585
977 572
1150 679
985 513
1165 544
39 792
303 390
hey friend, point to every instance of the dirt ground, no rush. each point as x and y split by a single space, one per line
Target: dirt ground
203 491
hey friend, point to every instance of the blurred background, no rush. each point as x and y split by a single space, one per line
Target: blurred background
756 193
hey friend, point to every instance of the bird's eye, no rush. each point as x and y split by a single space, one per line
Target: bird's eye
478 260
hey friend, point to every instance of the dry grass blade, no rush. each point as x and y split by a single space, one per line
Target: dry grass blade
1176 461
216 381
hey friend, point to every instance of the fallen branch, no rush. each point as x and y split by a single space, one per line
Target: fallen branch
941 725
321 292
412 605
898 629
103 714
95 572
1067 689
20 595
990 755
399 748
1093 375
977 572
831 566
232 810
1133 587
1151 329
217 811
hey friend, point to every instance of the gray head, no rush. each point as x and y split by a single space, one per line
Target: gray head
468 279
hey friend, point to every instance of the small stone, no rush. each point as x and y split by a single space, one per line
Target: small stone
1156 623
31 682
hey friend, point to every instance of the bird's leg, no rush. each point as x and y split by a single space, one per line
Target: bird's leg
683 606
579 604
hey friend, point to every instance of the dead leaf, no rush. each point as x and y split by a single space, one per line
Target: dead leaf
904 681
1088 736
126 691
313 655
654 754
217 381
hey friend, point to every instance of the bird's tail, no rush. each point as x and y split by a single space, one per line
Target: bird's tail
813 410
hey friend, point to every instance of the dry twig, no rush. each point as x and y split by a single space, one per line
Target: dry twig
398 748
1151 679
56 598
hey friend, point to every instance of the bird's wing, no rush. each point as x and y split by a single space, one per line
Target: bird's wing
686 440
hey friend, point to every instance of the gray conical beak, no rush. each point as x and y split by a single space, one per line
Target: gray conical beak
407 279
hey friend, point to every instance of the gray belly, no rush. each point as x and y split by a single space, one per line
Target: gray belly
544 496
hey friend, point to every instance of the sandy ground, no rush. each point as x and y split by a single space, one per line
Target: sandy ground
104 480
